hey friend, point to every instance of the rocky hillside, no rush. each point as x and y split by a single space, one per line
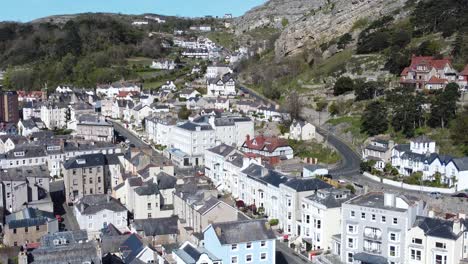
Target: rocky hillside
312 22
276 12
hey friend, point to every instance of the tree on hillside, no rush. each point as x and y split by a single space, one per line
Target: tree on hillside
444 106
344 40
374 119
458 130
343 85
294 105
367 90
405 110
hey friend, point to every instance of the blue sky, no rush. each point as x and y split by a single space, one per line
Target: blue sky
26 10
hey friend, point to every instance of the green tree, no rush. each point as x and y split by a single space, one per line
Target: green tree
367 90
184 113
405 110
343 85
344 40
428 48
458 130
444 106
374 119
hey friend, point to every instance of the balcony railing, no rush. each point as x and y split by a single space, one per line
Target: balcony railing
373 236
372 250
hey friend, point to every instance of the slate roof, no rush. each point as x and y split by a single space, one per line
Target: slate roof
376 200
222 150
461 163
134 181
24 172
98 202
264 175
376 148
91 160
190 254
131 247
369 258
329 199
243 231
148 188
304 185
208 204
28 217
157 226
75 251
30 151
166 181
193 126
402 147
437 227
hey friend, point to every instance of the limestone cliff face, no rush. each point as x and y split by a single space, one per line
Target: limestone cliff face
313 22
272 13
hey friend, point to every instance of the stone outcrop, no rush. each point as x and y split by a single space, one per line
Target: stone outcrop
272 13
313 22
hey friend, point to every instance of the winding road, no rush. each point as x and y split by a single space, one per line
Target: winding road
350 160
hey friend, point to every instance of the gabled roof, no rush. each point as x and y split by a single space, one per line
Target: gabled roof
28 217
147 188
243 231
304 185
166 181
157 226
435 80
85 161
222 150
91 204
191 254
437 227
265 143
465 71
193 126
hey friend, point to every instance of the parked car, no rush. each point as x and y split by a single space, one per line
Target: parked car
460 195
436 195
59 218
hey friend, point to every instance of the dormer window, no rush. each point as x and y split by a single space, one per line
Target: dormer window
80 161
19 154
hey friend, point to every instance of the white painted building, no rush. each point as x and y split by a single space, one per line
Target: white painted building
321 217
54 115
97 211
163 65
158 129
113 90
221 86
300 130
192 139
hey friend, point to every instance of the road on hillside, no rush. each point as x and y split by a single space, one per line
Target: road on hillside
350 160
124 132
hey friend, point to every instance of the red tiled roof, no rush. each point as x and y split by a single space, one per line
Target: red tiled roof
265 143
465 71
435 80
125 93
426 60
405 71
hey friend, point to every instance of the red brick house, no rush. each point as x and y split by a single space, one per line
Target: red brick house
270 149
426 72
